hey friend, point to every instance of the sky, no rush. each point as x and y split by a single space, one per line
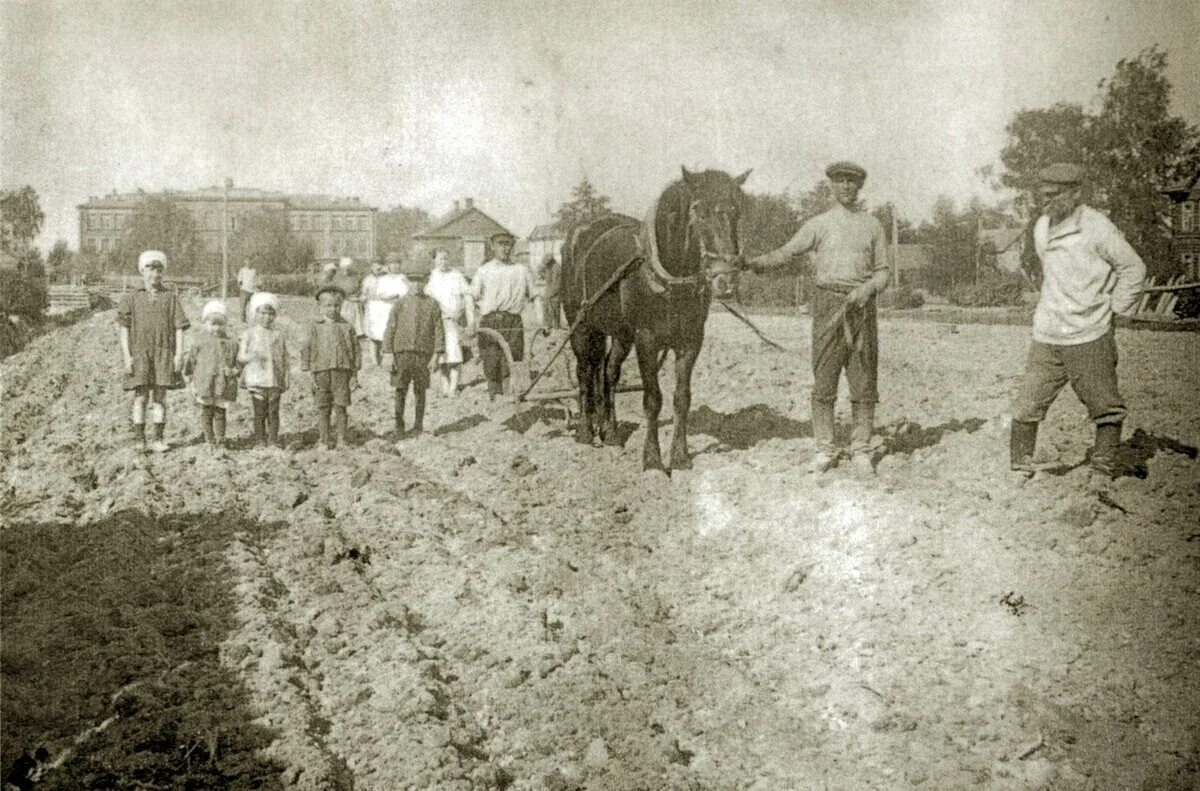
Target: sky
512 103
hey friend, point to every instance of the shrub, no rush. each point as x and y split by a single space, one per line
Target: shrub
22 296
995 289
902 297
294 285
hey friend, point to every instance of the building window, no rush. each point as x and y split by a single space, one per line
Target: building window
1187 217
318 222
1189 261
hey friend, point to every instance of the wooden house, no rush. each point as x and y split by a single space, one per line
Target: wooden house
464 232
1185 225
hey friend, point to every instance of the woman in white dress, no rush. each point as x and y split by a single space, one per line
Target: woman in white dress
387 289
453 293
376 308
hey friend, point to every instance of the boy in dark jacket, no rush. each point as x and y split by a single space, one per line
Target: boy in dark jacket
331 352
413 335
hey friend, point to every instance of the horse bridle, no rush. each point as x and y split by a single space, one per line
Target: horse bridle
727 262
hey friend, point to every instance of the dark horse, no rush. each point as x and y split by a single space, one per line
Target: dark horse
665 271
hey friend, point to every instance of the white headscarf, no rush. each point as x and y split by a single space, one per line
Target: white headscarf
261 298
214 307
149 257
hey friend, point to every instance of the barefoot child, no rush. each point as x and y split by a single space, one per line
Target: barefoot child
332 353
213 368
152 324
413 335
264 354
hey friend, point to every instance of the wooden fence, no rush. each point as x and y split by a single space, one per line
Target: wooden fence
1158 299
65 299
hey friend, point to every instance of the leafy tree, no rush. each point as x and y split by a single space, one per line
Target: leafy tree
586 204
58 262
1130 149
264 238
22 218
394 227
158 224
884 213
31 264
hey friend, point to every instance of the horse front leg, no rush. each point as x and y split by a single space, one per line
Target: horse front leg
647 357
685 360
622 344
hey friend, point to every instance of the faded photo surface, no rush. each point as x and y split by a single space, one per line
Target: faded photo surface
605 395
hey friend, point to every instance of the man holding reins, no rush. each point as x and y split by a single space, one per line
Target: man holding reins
850 265
1089 272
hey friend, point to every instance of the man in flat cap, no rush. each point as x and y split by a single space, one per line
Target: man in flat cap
1089 272
850 264
501 289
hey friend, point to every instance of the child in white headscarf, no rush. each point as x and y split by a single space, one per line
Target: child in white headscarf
213 368
264 353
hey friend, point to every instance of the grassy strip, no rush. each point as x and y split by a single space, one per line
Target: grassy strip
124 618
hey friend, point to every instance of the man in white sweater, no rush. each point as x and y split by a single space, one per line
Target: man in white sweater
1089 273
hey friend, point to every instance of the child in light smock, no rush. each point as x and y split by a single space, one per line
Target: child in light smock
213 369
264 353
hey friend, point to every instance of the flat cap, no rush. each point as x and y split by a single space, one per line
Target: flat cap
503 236
846 168
329 290
1063 173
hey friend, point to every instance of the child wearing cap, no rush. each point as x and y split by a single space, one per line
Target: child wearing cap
152 323
264 354
413 336
213 368
331 352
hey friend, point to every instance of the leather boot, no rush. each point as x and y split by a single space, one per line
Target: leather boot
1104 451
860 437
139 436
260 420
823 424
323 428
159 445
206 424
273 421
1022 440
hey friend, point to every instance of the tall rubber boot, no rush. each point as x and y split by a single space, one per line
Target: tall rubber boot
1022 440
260 420
272 405
823 424
1104 451
324 432
340 425
860 437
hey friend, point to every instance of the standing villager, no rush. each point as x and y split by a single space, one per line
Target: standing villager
351 287
501 289
331 352
551 294
212 366
453 294
850 264
328 273
1089 272
388 286
247 278
152 324
413 336
263 353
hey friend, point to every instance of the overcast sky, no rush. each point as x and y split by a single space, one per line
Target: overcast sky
421 103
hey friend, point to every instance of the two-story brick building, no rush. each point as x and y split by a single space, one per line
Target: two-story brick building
335 227
1185 224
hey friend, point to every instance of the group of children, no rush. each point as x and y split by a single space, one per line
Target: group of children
153 321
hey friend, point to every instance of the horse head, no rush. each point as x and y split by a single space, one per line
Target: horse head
714 205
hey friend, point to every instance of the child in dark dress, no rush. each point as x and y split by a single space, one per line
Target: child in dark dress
152 324
213 368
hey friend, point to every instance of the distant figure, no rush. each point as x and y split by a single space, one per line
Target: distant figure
551 294
348 282
328 273
152 324
413 336
388 286
501 288
850 262
247 278
263 353
1089 272
453 293
331 352
212 367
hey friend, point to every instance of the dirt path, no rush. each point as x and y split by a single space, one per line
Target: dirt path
493 605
